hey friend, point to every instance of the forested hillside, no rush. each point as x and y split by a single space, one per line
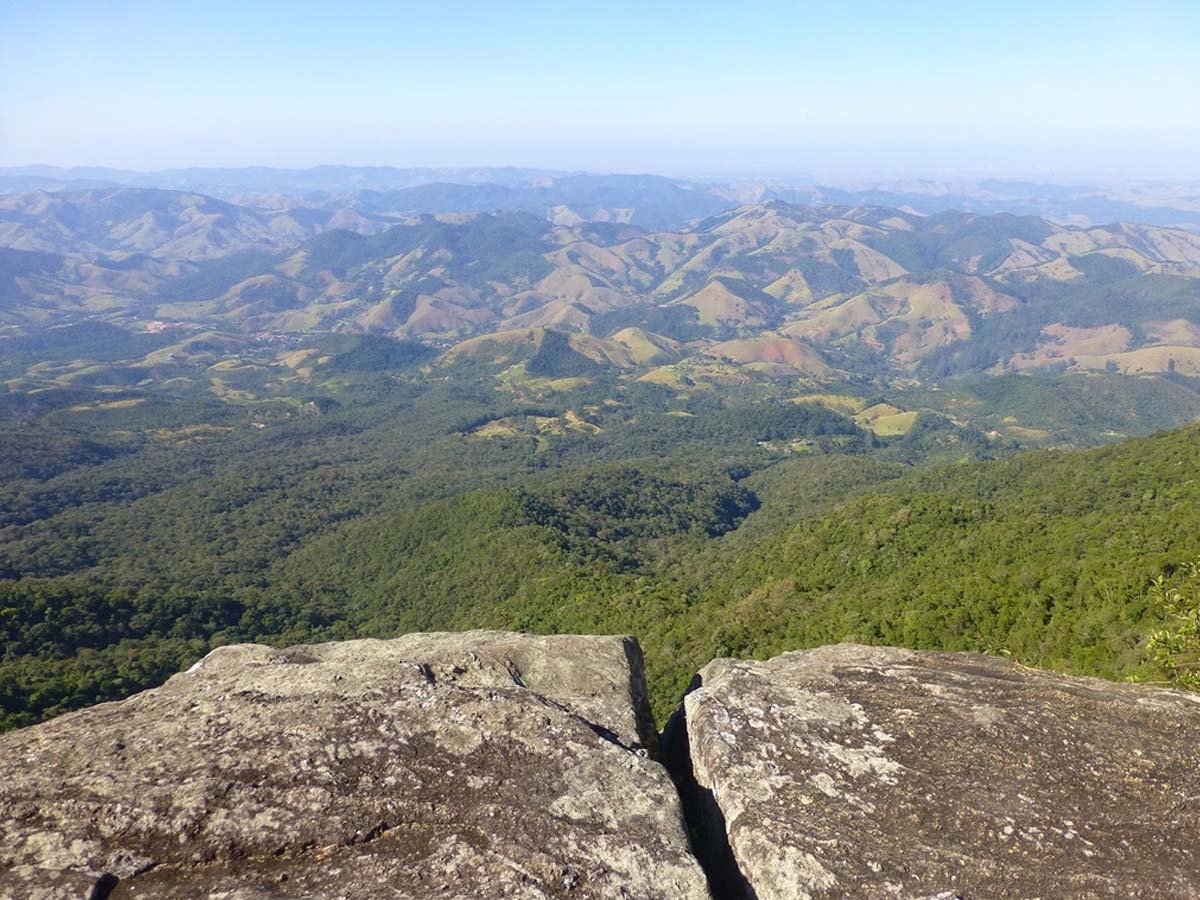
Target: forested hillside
1045 557
140 530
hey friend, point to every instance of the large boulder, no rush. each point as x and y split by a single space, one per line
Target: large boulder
863 772
478 765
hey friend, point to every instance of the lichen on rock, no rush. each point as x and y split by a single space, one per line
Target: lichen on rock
866 772
472 765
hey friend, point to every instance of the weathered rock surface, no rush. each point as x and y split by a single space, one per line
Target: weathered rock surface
478 765
869 773
492 765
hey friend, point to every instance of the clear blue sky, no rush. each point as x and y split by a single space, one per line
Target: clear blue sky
690 88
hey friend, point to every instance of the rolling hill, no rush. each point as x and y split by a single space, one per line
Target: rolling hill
170 225
952 292
877 292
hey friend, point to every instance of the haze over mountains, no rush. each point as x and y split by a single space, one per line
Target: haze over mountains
490 188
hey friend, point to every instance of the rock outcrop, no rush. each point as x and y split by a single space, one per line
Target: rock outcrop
478 765
491 765
859 772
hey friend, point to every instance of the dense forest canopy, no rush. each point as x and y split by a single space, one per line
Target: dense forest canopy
140 527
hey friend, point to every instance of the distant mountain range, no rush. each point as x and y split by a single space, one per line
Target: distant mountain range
168 224
223 181
1145 204
649 200
770 285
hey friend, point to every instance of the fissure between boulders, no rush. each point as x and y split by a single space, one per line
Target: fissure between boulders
705 822
104 886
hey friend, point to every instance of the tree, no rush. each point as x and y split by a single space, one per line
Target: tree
1176 647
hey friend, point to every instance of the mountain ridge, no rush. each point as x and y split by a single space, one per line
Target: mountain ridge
886 291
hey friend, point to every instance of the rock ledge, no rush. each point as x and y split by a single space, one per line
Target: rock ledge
492 765
476 765
875 773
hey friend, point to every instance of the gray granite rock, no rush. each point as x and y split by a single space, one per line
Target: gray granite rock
476 765
872 773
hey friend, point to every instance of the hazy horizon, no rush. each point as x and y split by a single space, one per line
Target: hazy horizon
845 174
1075 92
